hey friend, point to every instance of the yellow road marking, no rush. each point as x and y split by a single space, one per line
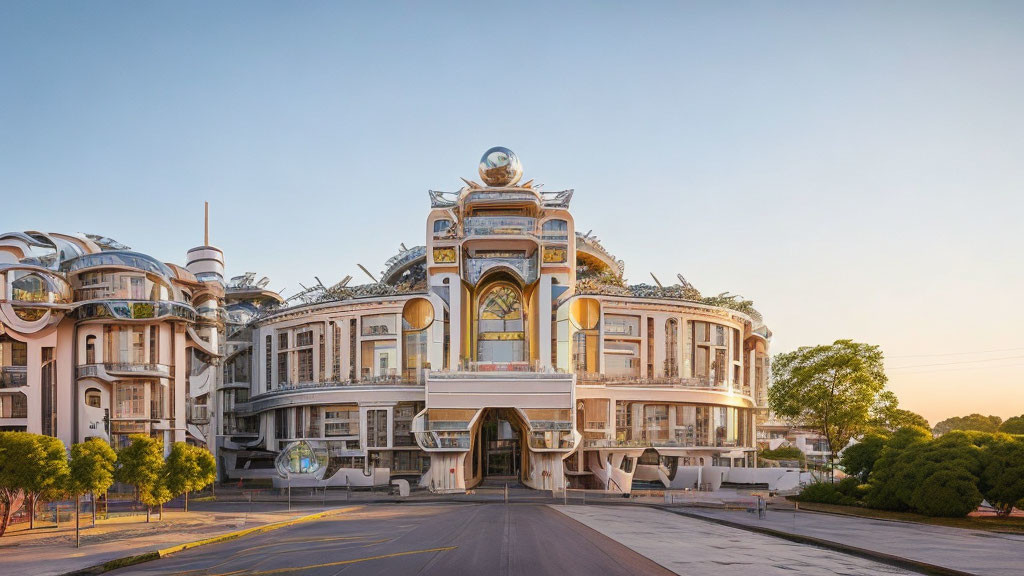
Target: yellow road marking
244 551
341 562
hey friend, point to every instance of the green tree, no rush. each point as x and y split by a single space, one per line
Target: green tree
860 458
155 494
1003 477
189 468
890 471
46 471
975 422
141 464
887 416
16 448
831 389
92 469
936 477
1013 425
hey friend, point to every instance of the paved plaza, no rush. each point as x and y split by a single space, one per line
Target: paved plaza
972 551
697 548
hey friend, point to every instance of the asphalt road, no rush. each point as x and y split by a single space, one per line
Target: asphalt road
406 539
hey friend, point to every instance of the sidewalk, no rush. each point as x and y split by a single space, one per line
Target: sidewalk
49 551
968 551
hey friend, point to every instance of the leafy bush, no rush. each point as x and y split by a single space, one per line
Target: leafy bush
952 492
849 486
934 477
782 453
1002 480
825 493
859 459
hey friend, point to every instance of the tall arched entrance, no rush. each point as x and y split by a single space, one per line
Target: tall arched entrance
500 452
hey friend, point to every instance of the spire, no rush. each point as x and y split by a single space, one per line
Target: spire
206 224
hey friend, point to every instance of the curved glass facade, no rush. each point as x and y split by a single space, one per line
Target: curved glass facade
119 258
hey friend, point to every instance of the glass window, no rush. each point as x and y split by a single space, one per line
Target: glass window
129 400
500 327
441 227
305 358
622 359
13 352
156 401
672 348
376 428
30 288
379 358
282 368
269 360
555 230
303 339
415 355
281 424
656 422
13 405
336 353
379 325
93 398
621 325
125 344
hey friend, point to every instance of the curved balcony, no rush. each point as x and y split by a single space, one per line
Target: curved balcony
702 384
655 443
499 226
135 310
119 259
398 264
525 268
441 436
490 197
121 369
396 388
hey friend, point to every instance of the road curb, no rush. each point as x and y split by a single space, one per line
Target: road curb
890 559
162 552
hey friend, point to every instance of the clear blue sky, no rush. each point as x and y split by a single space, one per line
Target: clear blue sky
855 169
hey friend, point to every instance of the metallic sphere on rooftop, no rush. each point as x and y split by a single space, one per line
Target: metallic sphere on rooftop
500 166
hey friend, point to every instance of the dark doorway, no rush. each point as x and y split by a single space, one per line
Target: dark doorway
501 445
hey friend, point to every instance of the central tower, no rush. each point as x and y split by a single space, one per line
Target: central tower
499 254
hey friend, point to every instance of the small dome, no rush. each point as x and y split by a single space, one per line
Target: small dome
500 166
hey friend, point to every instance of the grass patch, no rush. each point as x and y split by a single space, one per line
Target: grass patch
1013 525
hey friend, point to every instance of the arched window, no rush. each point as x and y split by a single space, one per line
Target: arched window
672 348
555 230
30 288
500 328
93 397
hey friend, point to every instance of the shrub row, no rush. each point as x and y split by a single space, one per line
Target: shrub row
948 476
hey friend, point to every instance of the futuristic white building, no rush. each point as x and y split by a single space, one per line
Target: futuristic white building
507 346
100 341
